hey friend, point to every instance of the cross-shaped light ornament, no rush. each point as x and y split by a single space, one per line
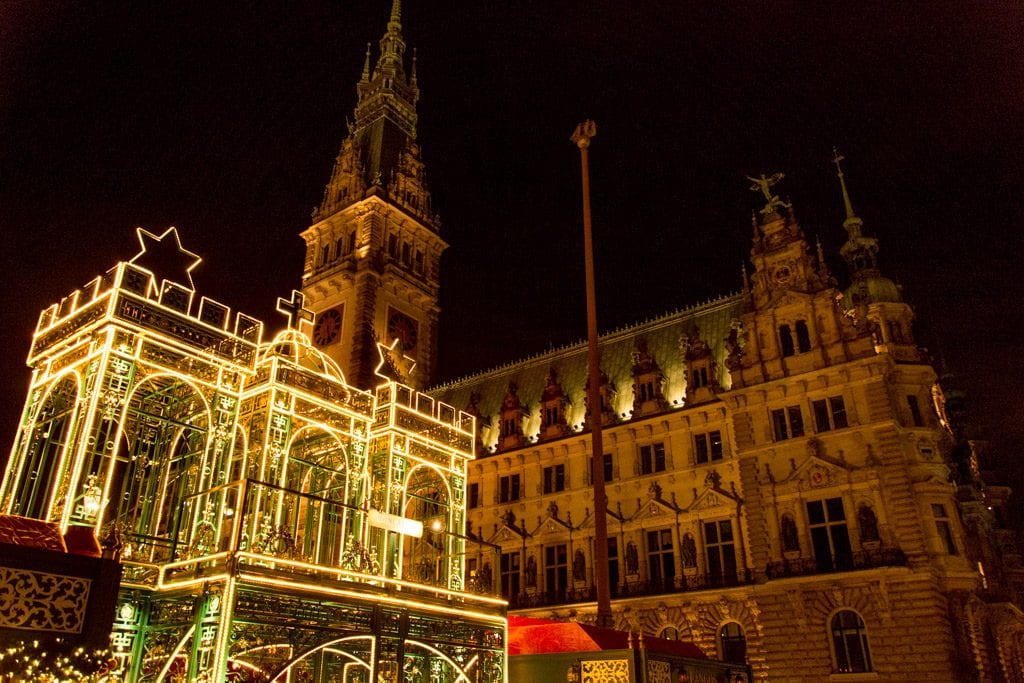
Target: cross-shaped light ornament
295 310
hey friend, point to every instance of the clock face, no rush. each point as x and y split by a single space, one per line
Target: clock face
403 328
328 327
782 274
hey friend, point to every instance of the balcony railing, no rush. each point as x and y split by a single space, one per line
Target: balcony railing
866 559
679 584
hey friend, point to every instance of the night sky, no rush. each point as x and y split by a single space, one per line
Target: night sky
224 120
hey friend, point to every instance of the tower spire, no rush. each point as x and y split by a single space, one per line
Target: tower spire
853 222
366 66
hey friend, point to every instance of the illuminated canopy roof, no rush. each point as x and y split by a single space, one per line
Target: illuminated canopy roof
298 349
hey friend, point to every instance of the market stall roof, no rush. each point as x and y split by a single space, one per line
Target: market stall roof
530 636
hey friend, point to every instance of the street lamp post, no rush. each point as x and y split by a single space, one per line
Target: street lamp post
582 137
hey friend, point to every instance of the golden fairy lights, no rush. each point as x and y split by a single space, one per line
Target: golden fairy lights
227 464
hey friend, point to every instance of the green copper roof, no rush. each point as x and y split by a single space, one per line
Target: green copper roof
662 334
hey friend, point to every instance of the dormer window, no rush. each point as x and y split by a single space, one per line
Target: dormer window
700 377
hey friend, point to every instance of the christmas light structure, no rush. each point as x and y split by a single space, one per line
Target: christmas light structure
277 524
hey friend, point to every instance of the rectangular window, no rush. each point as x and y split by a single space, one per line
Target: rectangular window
787 423
720 546
556 570
608 469
508 488
511 564
708 447
945 527
613 566
661 559
915 411
829 414
652 458
393 246
830 536
473 495
554 478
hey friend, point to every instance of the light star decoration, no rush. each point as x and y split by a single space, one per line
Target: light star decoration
164 256
394 361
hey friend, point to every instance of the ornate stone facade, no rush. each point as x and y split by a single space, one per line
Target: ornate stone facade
782 481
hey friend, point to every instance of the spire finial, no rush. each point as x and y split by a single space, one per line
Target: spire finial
396 15
746 280
366 64
836 158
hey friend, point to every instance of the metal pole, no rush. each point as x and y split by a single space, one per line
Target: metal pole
582 136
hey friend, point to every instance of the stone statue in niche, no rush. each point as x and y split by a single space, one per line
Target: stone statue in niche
868 523
579 566
789 534
689 551
531 572
632 559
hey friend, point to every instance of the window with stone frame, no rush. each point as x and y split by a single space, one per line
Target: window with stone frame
786 341
608 468
787 423
661 561
803 336
509 488
708 447
556 570
732 643
720 549
511 567
473 495
652 458
829 414
830 536
916 417
554 478
944 526
850 650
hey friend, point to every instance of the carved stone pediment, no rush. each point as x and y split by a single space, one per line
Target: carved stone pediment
551 525
816 473
505 534
654 507
713 498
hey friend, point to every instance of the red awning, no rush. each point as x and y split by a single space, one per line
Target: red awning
530 636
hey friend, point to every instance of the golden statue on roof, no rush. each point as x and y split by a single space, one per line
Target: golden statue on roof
764 184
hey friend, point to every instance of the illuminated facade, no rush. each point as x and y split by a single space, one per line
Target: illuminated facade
782 483
373 252
275 522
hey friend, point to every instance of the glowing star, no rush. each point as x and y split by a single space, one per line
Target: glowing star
394 364
160 256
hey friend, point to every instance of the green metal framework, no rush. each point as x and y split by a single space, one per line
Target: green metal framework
276 524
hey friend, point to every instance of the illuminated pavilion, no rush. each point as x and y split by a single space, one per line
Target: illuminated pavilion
275 522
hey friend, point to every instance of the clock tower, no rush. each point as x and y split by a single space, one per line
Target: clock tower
373 251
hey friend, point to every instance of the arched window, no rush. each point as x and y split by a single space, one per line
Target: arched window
786 340
733 643
850 643
803 337
669 633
